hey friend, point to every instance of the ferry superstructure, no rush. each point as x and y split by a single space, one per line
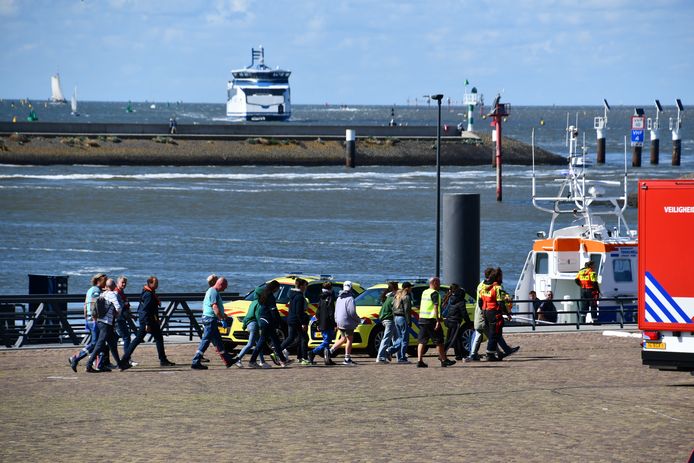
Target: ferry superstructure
584 207
258 92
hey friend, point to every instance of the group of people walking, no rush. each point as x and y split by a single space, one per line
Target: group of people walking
108 317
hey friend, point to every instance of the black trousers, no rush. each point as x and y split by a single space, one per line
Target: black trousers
494 322
107 340
155 331
588 301
294 331
453 339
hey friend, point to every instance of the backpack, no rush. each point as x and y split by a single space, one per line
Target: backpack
100 307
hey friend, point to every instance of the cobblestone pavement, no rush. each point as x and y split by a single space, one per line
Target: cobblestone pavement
564 397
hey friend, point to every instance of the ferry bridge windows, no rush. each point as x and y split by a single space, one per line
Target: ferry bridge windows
622 270
541 263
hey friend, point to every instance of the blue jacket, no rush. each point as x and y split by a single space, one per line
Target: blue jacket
297 308
148 310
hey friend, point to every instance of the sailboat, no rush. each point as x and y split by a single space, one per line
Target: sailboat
56 92
73 103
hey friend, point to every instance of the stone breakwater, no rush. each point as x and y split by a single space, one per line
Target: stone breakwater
21 148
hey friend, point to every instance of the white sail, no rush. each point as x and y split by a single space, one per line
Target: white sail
73 101
56 92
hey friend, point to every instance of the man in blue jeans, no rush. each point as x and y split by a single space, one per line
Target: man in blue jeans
325 321
212 315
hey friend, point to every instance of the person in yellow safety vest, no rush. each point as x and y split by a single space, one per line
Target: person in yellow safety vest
587 279
431 324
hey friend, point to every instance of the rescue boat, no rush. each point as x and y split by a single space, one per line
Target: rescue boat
587 224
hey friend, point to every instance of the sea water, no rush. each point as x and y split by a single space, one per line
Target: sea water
251 223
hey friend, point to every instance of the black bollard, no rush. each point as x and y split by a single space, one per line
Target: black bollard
600 155
676 151
655 151
461 240
350 148
636 156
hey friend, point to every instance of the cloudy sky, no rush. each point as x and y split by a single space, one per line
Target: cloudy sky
353 51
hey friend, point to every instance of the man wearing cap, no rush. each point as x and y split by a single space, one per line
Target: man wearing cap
347 321
430 324
90 323
107 336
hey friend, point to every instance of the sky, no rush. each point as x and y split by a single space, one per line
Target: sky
536 52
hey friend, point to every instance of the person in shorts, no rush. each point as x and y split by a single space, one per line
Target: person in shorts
431 324
347 321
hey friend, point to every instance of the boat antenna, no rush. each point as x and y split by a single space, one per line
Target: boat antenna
532 146
566 139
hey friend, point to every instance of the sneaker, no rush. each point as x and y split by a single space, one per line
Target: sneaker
326 357
349 362
492 357
133 364
382 361
447 363
199 366
73 363
275 359
167 363
421 364
285 352
472 358
404 361
92 370
512 351
253 365
311 357
304 362
239 364
265 365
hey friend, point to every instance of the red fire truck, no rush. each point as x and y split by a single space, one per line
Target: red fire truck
666 273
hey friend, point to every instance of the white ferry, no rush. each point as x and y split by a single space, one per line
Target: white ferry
258 92
578 232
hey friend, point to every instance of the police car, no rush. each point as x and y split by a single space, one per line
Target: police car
236 310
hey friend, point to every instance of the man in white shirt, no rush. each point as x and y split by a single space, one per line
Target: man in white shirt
107 336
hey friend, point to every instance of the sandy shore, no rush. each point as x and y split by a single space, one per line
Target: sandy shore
39 150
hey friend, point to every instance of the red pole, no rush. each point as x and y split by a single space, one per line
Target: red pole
497 119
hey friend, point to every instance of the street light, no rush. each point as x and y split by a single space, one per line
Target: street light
438 98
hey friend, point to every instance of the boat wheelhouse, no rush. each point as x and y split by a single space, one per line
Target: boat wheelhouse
258 92
587 224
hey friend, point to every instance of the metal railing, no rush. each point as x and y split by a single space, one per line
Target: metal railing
50 318
611 311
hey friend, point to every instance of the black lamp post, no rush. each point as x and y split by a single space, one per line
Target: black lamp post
438 98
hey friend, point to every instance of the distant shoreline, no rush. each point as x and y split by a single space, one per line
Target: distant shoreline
166 150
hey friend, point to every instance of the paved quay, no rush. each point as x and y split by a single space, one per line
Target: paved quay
564 397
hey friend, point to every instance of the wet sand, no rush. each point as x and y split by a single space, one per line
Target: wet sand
41 150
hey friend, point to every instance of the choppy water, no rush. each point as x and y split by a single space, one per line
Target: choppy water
254 223
251 223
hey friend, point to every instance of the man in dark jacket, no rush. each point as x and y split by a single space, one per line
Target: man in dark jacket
456 313
297 322
325 321
148 321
